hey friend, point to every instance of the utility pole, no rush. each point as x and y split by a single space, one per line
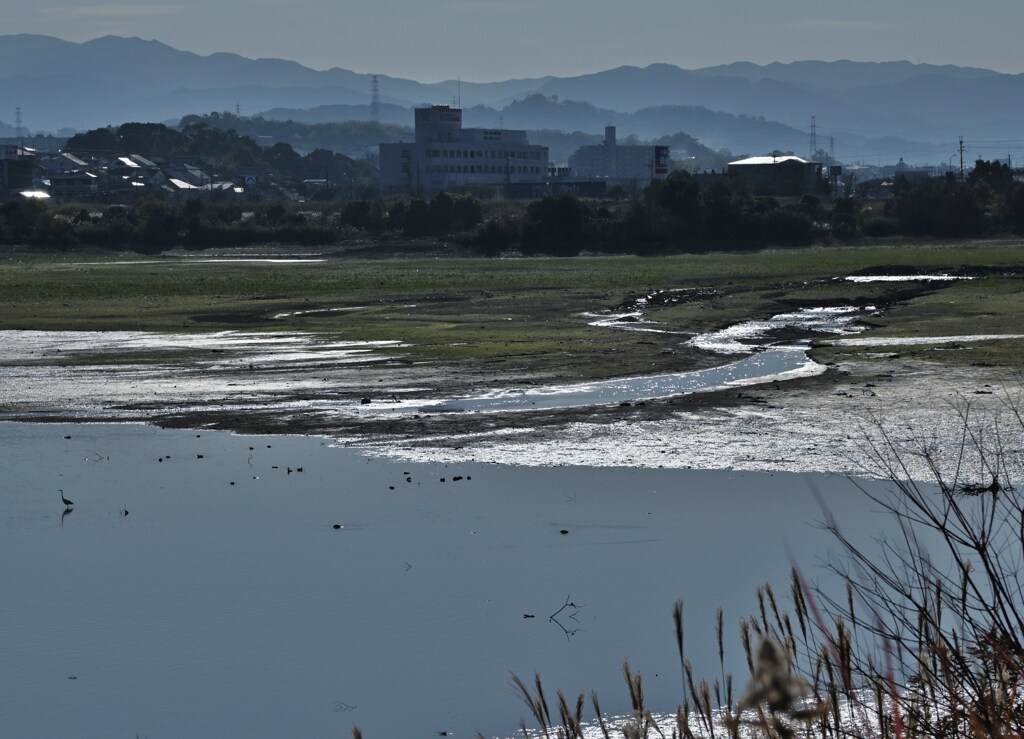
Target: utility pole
17 127
814 138
961 158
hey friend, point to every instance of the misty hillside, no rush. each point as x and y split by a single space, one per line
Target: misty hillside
872 109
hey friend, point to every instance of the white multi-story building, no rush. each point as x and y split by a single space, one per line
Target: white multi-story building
446 156
614 162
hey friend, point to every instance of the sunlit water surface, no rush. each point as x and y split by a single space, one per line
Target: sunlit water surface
225 603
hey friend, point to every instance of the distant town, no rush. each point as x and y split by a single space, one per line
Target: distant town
524 169
442 156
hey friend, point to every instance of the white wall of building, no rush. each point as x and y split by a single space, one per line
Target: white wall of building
446 156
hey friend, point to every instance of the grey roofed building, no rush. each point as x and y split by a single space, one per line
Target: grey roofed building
67 186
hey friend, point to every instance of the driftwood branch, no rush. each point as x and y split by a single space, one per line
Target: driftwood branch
554 617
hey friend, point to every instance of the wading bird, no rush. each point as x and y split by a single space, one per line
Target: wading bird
67 503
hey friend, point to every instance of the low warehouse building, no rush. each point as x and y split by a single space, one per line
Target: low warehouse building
778 175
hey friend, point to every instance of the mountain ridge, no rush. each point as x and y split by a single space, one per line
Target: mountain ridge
113 79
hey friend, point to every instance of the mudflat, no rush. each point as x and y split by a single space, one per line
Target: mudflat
362 349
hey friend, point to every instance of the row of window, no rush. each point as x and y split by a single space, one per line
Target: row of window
477 154
481 169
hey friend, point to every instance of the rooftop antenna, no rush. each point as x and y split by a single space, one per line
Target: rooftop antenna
238 109
374 99
814 137
832 148
460 93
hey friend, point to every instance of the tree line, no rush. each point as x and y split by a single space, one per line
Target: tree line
674 215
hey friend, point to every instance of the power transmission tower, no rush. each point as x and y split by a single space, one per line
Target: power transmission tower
814 138
374 99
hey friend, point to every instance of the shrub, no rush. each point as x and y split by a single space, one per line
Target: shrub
880 226
787 228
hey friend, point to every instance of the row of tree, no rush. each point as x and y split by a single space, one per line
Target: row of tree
152 226
679 215
674 215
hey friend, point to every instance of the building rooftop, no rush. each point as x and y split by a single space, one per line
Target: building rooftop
770 160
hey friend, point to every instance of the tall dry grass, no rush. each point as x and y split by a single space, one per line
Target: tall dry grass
925 639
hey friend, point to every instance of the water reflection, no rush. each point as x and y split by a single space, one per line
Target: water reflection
228 604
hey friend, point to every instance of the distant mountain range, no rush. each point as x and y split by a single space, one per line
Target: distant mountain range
871 110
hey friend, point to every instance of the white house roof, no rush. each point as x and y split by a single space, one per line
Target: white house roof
768 160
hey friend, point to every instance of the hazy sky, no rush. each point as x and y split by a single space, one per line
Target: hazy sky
486 40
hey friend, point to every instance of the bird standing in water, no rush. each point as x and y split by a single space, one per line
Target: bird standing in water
67 503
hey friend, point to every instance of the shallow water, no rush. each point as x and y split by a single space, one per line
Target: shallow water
775 363
748 335
904 278
220 609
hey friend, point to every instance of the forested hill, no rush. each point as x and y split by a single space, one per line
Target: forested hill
225 152
352 138
862 105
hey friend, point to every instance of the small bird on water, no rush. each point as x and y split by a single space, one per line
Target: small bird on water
67 503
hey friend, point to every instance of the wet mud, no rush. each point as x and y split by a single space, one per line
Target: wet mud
376 396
